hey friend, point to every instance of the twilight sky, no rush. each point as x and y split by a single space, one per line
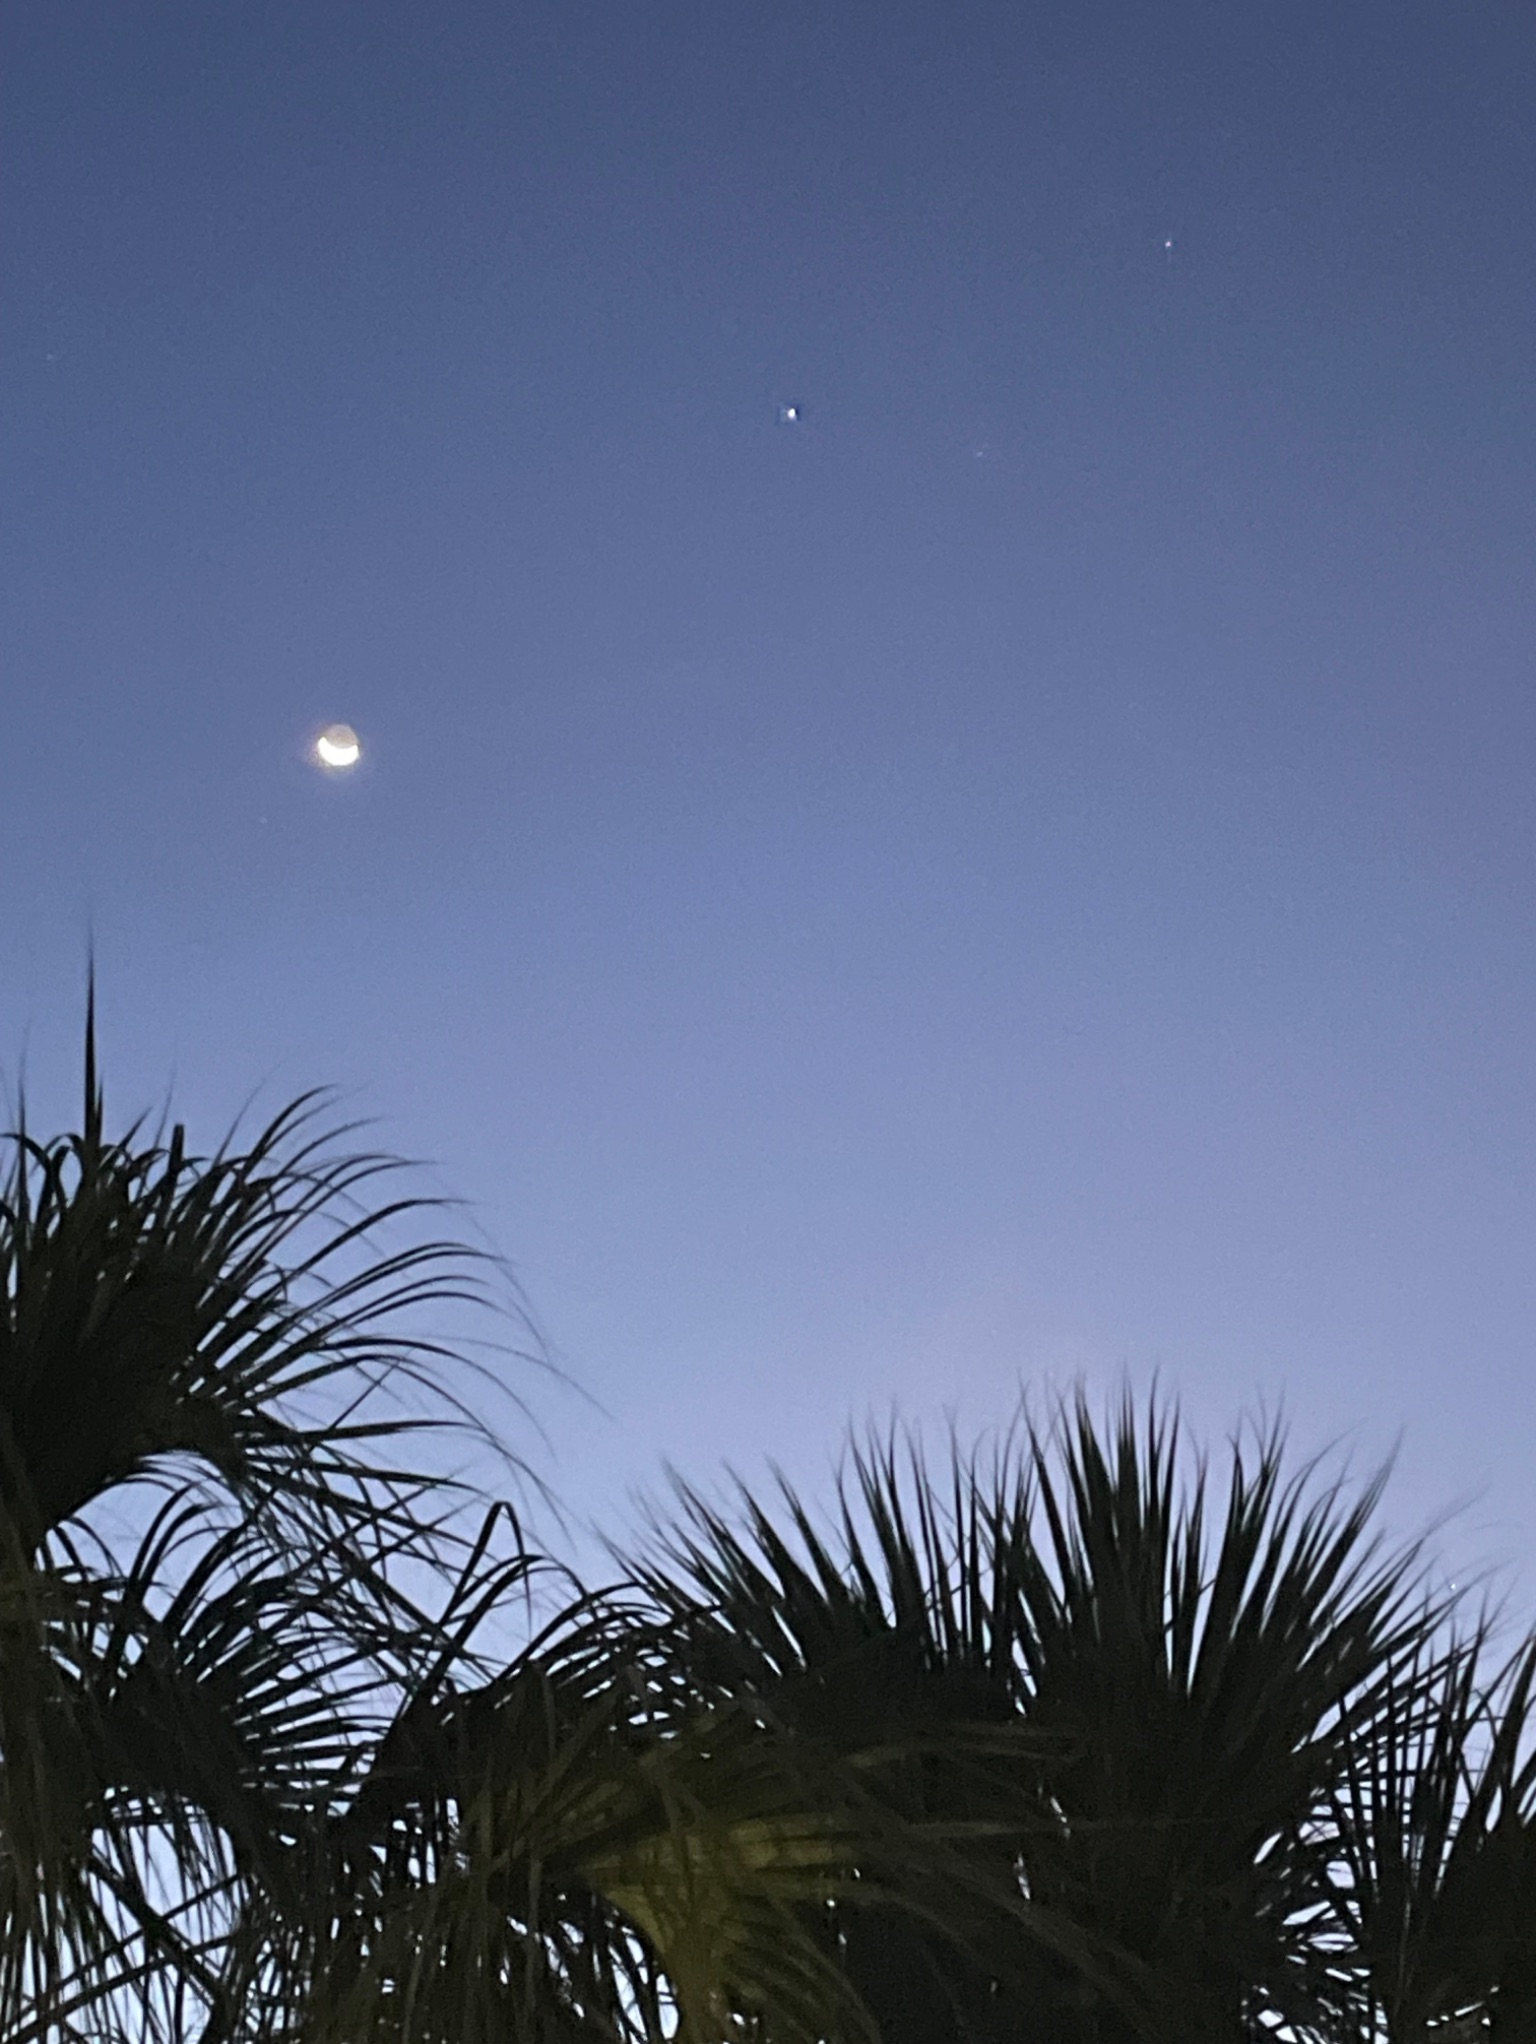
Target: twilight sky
1026 869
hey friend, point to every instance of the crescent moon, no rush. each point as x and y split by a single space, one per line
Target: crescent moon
337 746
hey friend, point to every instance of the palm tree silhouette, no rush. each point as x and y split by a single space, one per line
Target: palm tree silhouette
260 1776
1220 1766
302 1743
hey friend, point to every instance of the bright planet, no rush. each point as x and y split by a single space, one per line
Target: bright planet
338 746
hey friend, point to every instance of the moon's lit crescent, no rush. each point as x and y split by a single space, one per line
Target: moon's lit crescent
337 746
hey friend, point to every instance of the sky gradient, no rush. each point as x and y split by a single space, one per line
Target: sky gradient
1025 870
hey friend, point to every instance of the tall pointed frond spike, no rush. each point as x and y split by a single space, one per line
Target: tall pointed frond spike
95 1104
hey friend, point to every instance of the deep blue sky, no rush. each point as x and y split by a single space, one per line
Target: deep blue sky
1026 869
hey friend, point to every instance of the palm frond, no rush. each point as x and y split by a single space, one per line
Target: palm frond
1137 1701
1433 1848
219 1529
231 1317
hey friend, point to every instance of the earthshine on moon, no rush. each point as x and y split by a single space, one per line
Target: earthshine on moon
337 746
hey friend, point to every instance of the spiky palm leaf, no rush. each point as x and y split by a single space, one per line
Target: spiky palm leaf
590 1843
253 1790
1183 1678
1432 1848
576 1848
207 1527
893 1637
164 1316
1203 1664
